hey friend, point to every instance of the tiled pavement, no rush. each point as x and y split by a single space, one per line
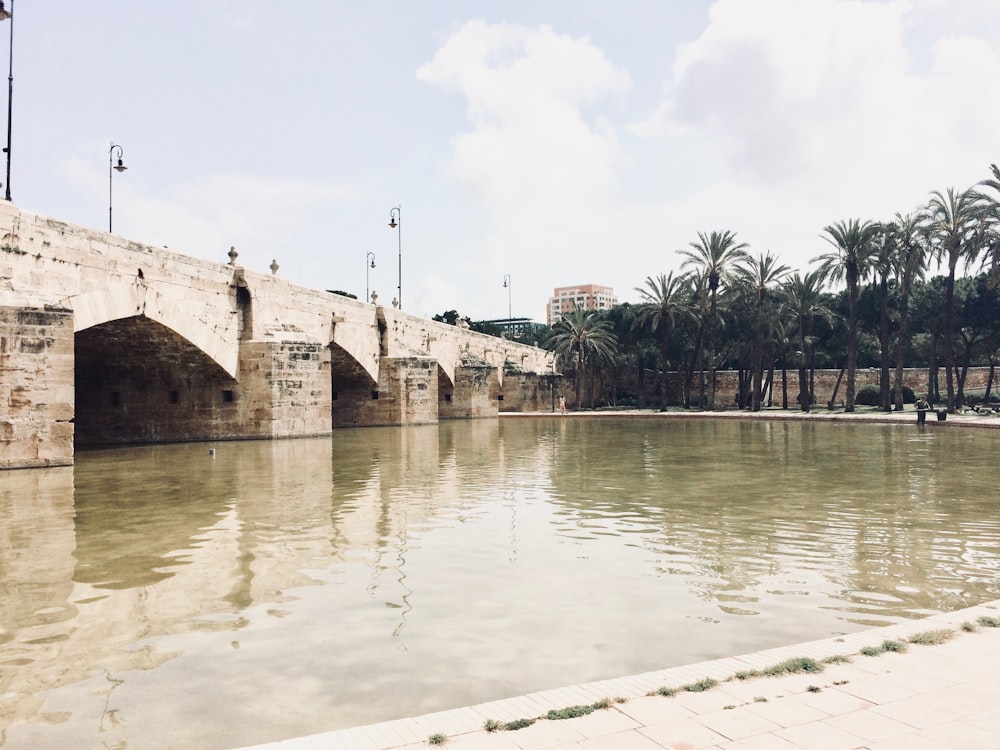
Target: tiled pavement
929 697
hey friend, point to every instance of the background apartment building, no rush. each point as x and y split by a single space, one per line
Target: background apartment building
585 296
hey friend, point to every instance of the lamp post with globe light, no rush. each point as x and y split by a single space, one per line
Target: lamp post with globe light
396 222
119 167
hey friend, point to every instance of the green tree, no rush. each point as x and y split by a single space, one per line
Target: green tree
714 258
805 301
760 276
664 300
850 261
991 238
584 336
909 262
956 222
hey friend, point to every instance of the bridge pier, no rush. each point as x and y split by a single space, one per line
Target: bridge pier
284 389
406 393
36 386
526 391
475 394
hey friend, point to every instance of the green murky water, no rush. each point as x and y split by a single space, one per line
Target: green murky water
163 597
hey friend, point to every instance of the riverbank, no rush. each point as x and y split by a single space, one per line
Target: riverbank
922 684
868 414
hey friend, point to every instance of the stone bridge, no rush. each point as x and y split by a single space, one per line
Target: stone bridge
108 341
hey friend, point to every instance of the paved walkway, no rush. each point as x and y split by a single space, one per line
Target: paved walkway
928 697
966 418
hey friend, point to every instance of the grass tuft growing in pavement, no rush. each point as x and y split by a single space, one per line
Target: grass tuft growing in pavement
791 666
701 686
931 637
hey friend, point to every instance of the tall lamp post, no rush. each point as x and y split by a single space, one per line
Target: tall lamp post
396 222
4 15
507 285
369 263
119 167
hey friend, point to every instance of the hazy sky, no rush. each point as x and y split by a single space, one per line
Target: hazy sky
559 141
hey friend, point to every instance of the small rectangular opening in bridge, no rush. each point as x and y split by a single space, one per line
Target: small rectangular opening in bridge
173 397
500 397
227 397
374 395
447 398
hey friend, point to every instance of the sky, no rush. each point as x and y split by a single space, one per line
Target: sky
546 142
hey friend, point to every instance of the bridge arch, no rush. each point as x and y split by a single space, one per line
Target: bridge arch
117 301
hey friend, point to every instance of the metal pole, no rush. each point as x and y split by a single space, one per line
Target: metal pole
10 96
396 222
507 285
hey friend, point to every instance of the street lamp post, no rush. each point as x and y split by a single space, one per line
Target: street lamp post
4 14
119 167
507 285
396 222
369 263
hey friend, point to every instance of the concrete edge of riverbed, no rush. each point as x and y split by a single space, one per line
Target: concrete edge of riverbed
920 677
907 416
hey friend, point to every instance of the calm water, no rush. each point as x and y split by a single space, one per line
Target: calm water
160 597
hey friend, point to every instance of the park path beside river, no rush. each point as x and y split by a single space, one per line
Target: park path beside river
967 418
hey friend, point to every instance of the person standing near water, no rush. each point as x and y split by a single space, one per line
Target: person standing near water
922 409
562 404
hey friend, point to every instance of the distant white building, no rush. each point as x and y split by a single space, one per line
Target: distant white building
585 297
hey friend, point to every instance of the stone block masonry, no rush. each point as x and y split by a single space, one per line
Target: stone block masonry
108 341
36 387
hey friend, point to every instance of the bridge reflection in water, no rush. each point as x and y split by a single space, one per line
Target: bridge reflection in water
164 597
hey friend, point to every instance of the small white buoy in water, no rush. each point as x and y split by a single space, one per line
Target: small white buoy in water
211 452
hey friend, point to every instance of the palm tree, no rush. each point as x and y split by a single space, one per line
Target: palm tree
585 334
759 275
805 301
850 259
956 224
883 266
909 262
992 238
664 298
714 257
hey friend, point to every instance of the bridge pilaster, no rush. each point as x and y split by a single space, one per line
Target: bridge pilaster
36 387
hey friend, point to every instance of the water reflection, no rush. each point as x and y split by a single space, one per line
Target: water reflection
165 597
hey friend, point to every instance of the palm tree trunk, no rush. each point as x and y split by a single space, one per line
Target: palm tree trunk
710 394
836 387
949 344
804 390
852 344
883 337
904 308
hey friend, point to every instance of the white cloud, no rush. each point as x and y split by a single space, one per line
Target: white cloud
819 105
538 166
261 217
